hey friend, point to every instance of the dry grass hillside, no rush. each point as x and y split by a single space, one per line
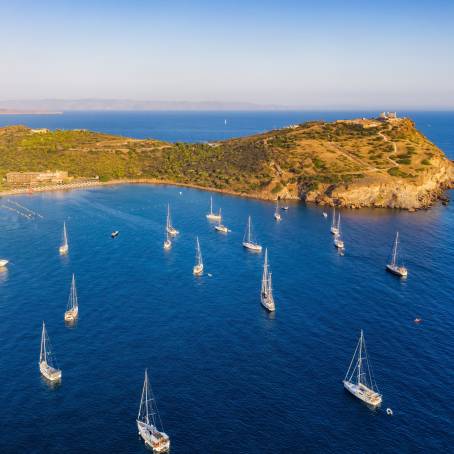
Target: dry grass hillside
362 162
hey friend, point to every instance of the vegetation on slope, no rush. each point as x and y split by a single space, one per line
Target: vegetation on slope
291 159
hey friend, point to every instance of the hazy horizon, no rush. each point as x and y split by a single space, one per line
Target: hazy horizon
295 55
121 105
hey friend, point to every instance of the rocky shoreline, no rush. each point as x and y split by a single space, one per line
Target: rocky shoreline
354 196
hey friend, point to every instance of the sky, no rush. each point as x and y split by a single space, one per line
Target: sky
302 54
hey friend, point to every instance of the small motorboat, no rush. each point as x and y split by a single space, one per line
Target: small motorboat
389 412
3 263
325 215
285 208
418 320
114 234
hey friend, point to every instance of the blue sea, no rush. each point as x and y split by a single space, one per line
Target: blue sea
228 377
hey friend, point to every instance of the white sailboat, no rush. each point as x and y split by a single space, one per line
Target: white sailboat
3 262
64 248
198 267
47 362
277 215
220 227
148 419
72 310
338 242
213 216
172 231
266 294
248 241
394 267
167 241
334 228
359 379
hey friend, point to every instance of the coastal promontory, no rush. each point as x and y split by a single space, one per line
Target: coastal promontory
383 162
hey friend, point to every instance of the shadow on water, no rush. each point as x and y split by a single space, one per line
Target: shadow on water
4 274
50 384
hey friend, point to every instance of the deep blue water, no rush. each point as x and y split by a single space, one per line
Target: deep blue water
210 126
227 376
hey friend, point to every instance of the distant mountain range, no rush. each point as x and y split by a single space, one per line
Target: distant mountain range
60 105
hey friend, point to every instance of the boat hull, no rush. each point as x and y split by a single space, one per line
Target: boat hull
364 394
172 232
268 303
339 244
157 441
114 234
277 217
64 250
252 247
397 270
49 372
334 230
197 270
221 228
167 245
71 315
3 262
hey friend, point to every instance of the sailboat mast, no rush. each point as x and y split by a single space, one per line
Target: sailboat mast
65 236
219 219
249 230
265 273
333 223
211 205
394 260
73 293
169 220
42 354
198 253
360 358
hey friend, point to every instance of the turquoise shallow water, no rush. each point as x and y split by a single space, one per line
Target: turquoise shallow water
228 377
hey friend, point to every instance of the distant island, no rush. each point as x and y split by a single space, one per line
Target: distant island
377 162
28 112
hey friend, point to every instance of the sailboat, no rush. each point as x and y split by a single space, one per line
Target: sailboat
277 215
394 267
248 241
219 227
148 419
47 362
198 267
266 294
172 231
359 379
334 227
64 248
213 216
338 242
167 241
72 310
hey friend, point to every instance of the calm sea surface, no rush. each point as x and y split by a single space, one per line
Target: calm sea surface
228 377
